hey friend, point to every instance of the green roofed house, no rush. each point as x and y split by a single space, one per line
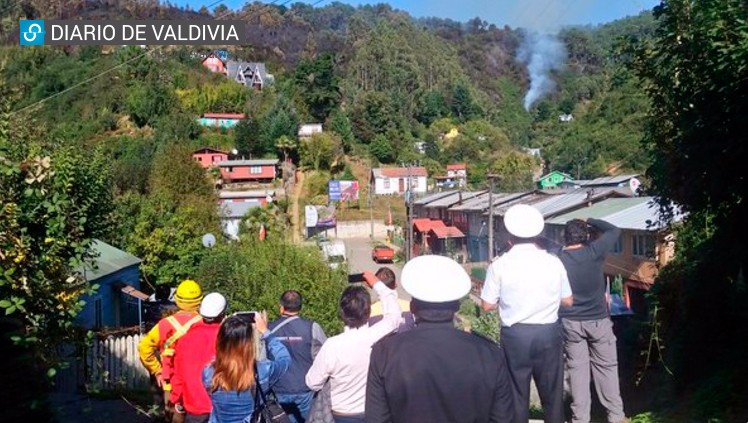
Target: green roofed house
117 301
553 179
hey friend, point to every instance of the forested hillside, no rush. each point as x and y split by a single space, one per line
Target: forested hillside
378 78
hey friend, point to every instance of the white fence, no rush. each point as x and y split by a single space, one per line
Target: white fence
357 229
108 364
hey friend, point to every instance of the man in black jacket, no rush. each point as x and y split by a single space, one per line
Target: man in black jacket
589 342
436 373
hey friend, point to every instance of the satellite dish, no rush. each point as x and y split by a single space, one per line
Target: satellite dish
634 185
209 240
235 151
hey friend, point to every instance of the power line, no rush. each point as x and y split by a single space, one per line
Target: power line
39 102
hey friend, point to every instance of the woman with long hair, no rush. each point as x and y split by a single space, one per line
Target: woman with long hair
230 378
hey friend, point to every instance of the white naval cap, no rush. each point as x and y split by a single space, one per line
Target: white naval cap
523 221
435 279
213 305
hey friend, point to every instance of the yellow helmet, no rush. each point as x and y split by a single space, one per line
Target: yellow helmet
188 295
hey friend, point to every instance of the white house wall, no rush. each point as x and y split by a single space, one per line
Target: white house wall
394 185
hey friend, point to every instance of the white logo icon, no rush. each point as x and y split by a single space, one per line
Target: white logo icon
32 32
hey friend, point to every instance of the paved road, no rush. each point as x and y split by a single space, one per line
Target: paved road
358 251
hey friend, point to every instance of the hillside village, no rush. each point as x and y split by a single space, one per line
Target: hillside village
365 127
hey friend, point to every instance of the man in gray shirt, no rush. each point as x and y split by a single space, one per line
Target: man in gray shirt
589 342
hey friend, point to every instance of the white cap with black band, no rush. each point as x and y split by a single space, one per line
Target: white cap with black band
435 279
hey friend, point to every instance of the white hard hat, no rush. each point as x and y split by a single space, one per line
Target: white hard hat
523 221
213 305
435 279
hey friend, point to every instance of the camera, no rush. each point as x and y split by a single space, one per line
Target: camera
356 278
246 315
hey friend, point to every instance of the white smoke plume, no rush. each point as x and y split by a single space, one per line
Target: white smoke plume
542 53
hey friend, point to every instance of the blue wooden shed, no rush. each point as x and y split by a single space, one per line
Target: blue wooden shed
117 302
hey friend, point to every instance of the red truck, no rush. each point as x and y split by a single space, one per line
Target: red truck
382 253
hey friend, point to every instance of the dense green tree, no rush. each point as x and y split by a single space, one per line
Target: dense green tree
321 151
280 120
247 136
286 145
148 101
318 85
340 123
382 150
372 114
431 106
52 204
253 274
462 104
696 69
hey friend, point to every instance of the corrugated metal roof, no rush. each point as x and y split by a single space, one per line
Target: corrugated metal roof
261 162
399 172
453 199
605 180
234 210
636 213
480 202
110 260
553 202
432 197
246 194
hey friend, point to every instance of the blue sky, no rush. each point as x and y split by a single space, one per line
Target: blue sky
537 14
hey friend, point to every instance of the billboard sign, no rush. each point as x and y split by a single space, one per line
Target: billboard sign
342 190
320 216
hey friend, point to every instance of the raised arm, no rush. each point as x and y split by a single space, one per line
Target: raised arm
391 312
607 240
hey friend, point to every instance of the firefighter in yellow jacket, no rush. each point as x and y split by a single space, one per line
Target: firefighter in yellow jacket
157 346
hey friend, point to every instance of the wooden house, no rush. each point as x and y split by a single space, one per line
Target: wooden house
248 170
221 120
394 180
117 302
209 157
553 179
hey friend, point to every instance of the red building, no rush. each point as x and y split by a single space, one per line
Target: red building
248 170
214 63
209 157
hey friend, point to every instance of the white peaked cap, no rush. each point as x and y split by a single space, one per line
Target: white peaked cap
523 221
435 279
213 305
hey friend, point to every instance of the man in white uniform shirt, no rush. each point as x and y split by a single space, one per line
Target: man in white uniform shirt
528 284
344 358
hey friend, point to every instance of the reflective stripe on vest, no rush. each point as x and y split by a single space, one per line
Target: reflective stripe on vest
179 330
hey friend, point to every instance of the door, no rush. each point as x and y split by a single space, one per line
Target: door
401 185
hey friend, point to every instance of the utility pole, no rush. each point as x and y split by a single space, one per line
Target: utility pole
409 209
371 209
491 177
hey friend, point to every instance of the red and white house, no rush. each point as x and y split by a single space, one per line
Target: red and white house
456 176
248 170
394 180
209 157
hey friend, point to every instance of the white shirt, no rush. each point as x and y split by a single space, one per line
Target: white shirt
528 284
344 358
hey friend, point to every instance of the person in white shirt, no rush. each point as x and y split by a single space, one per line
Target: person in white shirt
344 358
528 285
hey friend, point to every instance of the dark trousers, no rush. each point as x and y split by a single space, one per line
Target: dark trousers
535 351
196 418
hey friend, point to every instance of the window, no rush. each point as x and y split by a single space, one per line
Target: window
198 159
230 169
618 246
255 170
386 183
216 159
643 246
98 312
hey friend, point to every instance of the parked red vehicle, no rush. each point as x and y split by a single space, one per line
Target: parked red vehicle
382 253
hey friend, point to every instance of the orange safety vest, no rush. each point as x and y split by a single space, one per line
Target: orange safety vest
170 330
